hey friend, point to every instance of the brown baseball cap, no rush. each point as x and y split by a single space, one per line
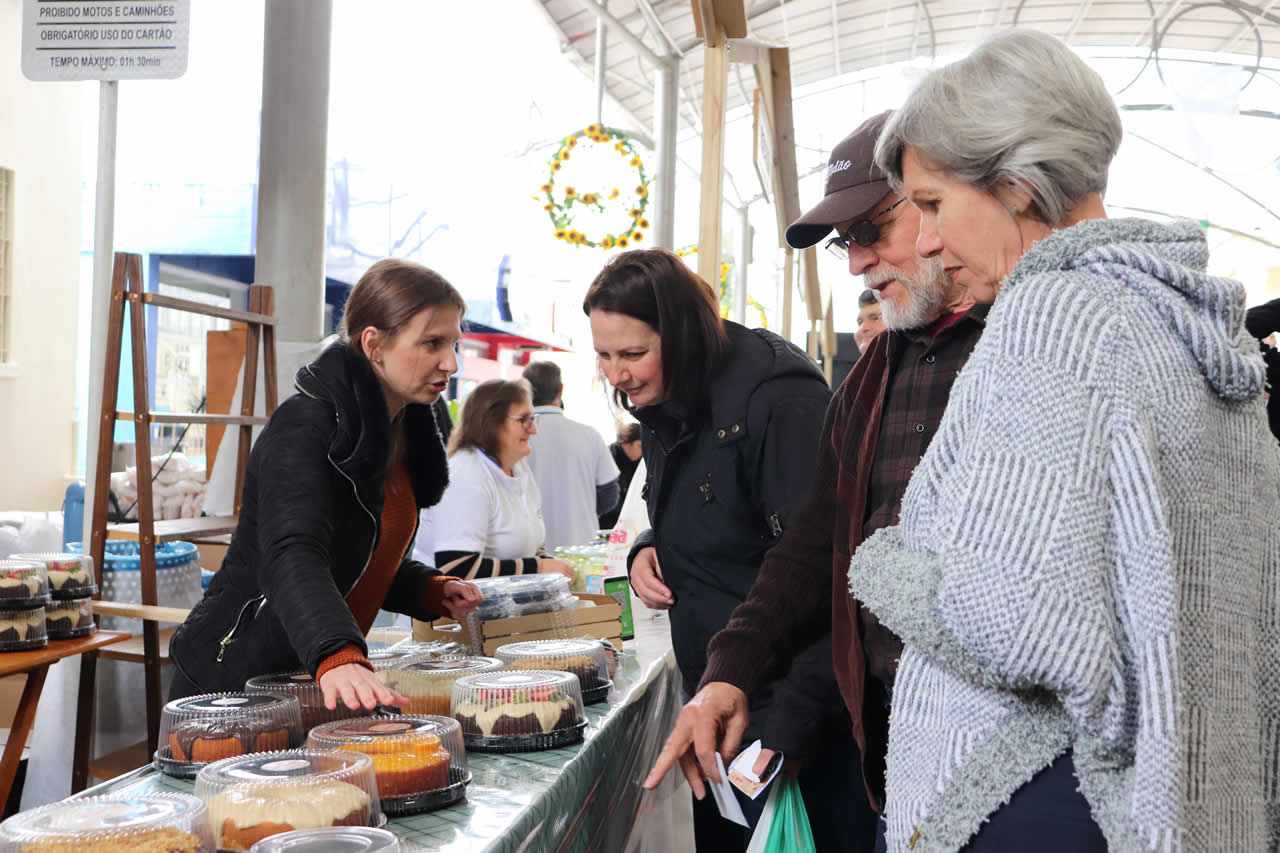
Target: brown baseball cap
854 183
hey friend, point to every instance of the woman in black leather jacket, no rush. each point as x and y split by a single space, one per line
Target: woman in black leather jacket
330 504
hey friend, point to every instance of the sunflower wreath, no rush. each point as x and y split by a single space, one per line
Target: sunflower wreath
726 296
559 207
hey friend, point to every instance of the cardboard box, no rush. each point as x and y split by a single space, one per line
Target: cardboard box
602 621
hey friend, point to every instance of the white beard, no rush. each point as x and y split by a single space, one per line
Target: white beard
927 290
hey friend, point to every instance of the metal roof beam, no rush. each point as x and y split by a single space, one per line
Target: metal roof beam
1080 16
655 23
1229 44
835 35
621 29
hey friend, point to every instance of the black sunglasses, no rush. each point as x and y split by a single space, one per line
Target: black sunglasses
864 232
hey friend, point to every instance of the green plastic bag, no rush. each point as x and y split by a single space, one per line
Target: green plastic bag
784 823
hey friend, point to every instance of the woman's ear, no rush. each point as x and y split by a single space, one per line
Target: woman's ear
1015 198
370 339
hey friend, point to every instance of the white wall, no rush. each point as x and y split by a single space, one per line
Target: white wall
40 139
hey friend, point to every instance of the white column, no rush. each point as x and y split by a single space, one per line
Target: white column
666 117
291 164
744 260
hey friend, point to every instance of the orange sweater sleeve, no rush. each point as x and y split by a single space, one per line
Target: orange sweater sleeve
434 597
347 654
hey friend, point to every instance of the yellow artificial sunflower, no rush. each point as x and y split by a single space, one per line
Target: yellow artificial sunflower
644 223
617 146
561 233
606 243
637 236
555 167
570 192
548 207
622 242
571 141
635 211
546 188
564 155
589 198
642 191
593 128
635 161
615 192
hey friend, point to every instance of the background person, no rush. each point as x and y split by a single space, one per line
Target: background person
575 473
345 463
626 452
489 521
1086 548
870 320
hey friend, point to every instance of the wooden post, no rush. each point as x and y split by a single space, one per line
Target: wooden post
788 282
715 88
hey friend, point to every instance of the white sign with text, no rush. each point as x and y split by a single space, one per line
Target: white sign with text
97 40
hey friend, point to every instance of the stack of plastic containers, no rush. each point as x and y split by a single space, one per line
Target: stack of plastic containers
428 684
585 658
200 730
174 823
71 586
419 761
519 711
24 591
522 595
309 694
257 796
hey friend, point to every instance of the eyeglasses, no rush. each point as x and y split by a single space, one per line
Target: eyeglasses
864 232
526 421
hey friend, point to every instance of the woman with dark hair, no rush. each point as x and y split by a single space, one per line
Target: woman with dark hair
489 523
330 504
730 419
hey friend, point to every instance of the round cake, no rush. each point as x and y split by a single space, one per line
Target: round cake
203 729
308 692
512 704
585 658
23 629
257 796
66 619
70 575
124 823
428 684
23 583
408 754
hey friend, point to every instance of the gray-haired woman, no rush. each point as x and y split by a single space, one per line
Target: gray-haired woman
1086 577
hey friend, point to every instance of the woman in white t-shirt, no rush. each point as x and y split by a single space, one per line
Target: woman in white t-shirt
489 521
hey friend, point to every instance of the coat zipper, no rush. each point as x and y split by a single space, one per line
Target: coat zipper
373 542
235 626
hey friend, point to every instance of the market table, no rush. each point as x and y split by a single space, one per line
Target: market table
35 665
578 798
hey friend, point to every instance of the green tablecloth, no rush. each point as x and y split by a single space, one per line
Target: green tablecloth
579 798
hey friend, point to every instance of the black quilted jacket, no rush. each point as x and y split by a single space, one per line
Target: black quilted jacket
309 522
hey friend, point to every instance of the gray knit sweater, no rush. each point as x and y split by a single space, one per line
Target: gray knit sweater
1089 558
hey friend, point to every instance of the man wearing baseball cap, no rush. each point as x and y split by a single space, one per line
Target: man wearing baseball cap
878 425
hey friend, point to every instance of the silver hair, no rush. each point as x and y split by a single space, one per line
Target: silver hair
1021 109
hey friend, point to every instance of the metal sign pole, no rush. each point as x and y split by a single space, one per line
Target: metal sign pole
103 236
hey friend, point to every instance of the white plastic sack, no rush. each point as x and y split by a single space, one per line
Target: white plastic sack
40 533
10 542
633 518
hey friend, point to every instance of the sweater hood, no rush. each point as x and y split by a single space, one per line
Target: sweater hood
1165 266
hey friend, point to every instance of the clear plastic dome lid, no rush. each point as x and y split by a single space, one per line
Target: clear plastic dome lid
203 729
175 823
428 684
256 796
391 656
585 658
522 595
525 707
344 839
69 618
309 694
412 755
23 629
23 583
70 575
